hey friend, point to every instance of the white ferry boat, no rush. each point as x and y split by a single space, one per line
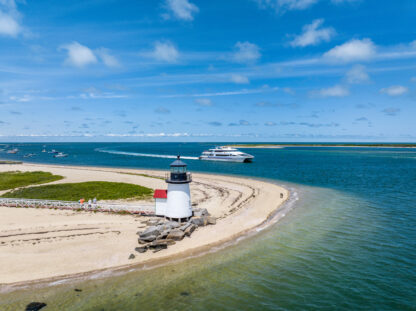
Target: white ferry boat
226 154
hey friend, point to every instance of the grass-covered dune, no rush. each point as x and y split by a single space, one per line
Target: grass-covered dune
15 179
102 190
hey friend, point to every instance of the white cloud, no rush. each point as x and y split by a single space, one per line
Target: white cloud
162 110
284 5
79 55
270 123
246 52
204 102
8 25
357 74
395 90
239 79
182 9
165 51
108 59
312 34
353 50
9 19
21 99
335 91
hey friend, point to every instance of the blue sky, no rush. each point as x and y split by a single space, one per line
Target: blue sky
189 70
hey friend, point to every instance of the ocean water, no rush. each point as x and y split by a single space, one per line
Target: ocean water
346 242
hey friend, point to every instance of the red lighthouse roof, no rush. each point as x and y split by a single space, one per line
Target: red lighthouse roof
160 194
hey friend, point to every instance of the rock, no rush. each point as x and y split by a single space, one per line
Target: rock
163 235
211 220
189 230
35 306
185 293
147 239
149 231
153 222
176 235
142 249
78 290
132 256
170 242
199 212
159 247
170 225
157 243
199 221
185 226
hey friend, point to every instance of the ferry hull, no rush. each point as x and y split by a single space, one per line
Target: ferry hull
240 160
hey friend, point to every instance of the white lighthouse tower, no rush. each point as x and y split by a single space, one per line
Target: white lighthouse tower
179 195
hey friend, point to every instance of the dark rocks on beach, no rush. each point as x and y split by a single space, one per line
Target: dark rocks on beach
35 306
132 256
159 247
168 225
188 231
142 249
199 212
163 235
185 226
157 243
176 235
147 239
153 222
199 221
153 230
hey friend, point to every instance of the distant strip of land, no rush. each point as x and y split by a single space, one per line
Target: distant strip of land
351 145
10 162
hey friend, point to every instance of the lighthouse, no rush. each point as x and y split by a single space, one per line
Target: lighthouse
179 196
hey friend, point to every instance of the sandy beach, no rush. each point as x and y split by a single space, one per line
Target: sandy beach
42 244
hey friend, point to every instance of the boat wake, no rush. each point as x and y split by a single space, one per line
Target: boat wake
136 154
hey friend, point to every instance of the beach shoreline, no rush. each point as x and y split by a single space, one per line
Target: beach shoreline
241 205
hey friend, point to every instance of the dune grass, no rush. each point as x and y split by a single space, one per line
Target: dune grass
101 190
15 179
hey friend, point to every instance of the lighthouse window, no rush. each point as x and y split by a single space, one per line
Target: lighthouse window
178 169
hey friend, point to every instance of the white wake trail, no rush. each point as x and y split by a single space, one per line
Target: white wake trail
136 154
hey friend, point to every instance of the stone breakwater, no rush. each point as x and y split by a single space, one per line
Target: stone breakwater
161 233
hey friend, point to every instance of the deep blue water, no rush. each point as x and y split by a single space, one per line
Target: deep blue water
349 243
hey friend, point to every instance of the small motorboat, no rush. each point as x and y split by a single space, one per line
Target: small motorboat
13 151
60 155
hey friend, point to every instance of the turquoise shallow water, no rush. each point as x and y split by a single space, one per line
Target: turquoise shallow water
349 242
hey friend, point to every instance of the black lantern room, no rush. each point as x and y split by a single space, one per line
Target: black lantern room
178 174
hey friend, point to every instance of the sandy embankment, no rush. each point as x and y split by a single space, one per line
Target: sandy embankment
43 244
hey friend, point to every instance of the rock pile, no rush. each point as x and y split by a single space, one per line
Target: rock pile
161 233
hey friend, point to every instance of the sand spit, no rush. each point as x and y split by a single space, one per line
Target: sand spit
41 244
